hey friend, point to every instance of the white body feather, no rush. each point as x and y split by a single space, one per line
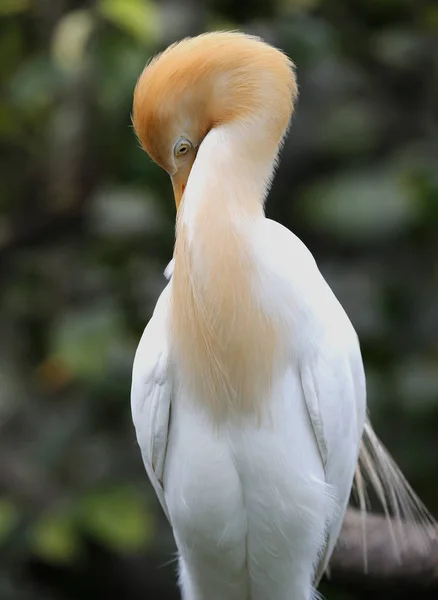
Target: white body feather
256 507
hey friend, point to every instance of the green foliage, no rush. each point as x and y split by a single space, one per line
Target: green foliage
118 518
55 538
82 341
138 18
9 515
361 206
10 7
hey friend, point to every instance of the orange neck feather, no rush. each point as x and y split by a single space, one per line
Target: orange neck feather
225 343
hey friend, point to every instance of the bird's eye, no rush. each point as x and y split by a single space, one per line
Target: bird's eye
182 147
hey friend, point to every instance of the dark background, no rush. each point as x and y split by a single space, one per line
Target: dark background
86 229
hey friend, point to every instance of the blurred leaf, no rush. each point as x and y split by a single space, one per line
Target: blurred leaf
55 537
124 213
417 165
8 517
139 18
11 49
9 7
308 42
300 5
70 39
121 63
33 86
11 392
118 518
8 129
53 374
417 384
352 127
397 47
429 17
82 342
360 206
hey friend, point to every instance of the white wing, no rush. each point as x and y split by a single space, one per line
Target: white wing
333 382
331 369
334 389
151 395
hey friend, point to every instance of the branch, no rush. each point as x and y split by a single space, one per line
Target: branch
413 566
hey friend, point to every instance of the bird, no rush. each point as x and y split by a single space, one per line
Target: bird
248 392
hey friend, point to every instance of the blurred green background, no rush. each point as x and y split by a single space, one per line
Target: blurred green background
86 229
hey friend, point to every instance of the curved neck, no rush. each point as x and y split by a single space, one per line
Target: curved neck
225 343
231 174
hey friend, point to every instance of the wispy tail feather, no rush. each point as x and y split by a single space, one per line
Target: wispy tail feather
363 501
399 502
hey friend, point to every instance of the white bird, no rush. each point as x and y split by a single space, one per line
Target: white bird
248 390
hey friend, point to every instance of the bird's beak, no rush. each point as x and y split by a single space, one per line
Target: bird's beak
179 185
179 182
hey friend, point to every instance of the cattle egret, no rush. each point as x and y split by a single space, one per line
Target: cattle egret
248 391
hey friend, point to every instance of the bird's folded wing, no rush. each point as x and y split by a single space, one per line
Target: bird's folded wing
334 391
151 395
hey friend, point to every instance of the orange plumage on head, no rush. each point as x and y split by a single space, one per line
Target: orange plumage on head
208 80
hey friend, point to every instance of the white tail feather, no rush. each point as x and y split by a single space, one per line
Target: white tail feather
399 502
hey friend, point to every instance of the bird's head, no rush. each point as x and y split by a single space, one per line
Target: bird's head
207 81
